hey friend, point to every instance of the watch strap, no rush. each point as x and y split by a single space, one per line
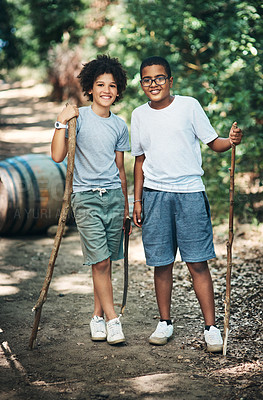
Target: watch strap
59 125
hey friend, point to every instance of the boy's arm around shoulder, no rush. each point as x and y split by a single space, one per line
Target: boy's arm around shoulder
223 144
59 145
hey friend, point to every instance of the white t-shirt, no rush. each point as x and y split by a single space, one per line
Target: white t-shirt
97 139
169 139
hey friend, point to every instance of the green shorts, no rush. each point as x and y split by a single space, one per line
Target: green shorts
99 218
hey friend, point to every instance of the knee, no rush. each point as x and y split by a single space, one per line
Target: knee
163 271
101 267
198 268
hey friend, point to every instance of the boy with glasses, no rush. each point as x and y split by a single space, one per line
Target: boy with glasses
170 203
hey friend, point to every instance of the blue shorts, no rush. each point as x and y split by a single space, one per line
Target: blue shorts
99 219
176 220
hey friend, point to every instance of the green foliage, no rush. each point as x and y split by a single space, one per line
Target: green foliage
29 28
214 48
51 19
10 44
215 51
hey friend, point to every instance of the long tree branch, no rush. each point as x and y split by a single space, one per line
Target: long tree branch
61 225
229 250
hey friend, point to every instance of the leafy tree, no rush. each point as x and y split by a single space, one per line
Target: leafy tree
214 48
30 28
10 54
51 19
215 51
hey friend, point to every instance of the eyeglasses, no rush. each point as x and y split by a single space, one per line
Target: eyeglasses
160 80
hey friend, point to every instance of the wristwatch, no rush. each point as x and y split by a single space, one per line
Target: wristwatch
59 125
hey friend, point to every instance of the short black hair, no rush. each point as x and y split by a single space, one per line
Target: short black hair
103 64
156 60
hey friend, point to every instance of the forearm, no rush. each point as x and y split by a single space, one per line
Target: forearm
138 187
138 177
223 144
124 190
119 159
220 145
59 145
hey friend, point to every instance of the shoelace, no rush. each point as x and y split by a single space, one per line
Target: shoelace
99 325
101 190
113 327
213 336
161 328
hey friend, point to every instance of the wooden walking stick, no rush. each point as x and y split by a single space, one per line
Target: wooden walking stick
61 225
229 249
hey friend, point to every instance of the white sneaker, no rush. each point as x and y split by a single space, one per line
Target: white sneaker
162 333
98 328
213 339
114 331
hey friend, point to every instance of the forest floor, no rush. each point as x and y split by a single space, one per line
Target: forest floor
65 363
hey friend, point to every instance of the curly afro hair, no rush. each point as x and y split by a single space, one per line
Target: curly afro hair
102 65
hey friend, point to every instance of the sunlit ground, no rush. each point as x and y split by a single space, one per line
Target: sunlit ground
142 385
10 281
33 121
74 283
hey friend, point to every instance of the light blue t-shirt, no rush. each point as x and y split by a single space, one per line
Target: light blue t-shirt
97 139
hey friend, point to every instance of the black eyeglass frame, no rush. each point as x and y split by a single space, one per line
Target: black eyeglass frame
154 80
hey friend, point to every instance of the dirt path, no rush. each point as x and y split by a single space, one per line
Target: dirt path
66 364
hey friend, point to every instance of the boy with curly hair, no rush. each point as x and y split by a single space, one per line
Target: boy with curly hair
170 203
99 199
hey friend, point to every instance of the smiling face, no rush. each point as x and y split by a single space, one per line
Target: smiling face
159 95
104 93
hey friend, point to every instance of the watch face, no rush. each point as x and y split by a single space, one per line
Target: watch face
59 125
